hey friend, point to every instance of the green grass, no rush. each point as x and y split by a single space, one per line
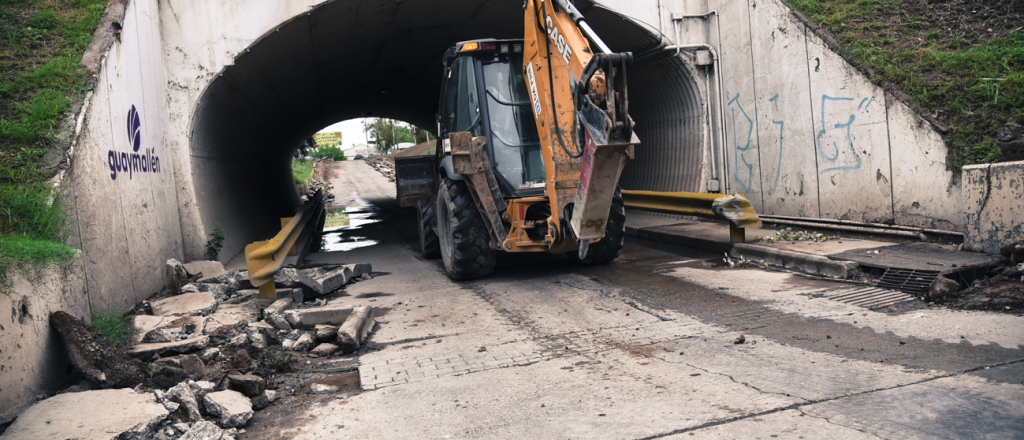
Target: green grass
947 77
302 170
34 226
41 46
115 327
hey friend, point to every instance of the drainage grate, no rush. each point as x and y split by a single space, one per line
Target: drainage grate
908 280
871 297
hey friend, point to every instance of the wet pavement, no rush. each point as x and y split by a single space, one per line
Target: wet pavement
665 342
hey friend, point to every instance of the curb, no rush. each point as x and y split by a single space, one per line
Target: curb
681 240
798 261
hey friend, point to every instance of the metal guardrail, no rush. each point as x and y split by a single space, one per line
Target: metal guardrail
735 208
263 259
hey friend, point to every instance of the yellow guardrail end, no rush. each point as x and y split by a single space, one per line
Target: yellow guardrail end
737 210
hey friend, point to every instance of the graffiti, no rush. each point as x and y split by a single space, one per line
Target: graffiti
782 127
836 147
739 151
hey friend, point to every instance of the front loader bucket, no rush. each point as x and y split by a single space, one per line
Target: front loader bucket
415 177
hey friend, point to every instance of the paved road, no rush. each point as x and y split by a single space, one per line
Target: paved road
646 348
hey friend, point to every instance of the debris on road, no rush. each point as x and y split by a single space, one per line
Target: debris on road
209 351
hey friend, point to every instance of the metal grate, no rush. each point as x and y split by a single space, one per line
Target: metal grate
908 280
871 297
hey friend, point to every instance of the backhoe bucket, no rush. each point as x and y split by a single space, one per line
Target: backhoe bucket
415 177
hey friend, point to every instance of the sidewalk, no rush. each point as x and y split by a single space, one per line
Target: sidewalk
843 258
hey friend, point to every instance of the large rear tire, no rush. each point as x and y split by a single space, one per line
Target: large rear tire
606 250
464 239
426 218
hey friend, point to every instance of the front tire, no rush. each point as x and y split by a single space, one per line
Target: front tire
463 236
426 218
606 250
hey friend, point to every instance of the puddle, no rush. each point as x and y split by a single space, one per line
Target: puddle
340 241
349 218
346 381
340 226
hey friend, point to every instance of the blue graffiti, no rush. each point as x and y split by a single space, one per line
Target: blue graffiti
782 125
868 100
835 157
738 151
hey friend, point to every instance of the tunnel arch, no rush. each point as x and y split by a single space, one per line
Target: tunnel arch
346 59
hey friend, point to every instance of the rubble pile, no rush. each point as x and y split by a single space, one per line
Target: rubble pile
383 165
999 288
208 349
314 185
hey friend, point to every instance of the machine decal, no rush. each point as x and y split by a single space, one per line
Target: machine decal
533 88
559 39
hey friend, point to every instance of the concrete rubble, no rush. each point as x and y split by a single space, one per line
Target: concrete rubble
203 355
196 304
96 414
233 408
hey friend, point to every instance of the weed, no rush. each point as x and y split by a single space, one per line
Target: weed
115 327
215 243
736 262
787 234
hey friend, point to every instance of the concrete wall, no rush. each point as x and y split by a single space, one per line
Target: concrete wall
127 219
32 359
993 206
807 135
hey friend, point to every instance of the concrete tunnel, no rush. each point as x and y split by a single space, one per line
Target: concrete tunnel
350 59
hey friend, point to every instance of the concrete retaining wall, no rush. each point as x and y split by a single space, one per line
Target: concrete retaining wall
993 206
808 135
32 359
127 217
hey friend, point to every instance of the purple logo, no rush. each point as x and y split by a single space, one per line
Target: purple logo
134 129
131 163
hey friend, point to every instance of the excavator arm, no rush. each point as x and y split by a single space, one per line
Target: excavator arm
580 106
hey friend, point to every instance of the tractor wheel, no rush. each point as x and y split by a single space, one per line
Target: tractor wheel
464 239
608 248
427 221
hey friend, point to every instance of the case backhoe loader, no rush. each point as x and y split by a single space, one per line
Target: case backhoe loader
533 135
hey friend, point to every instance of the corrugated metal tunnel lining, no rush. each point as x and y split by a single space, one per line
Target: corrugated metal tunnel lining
348 59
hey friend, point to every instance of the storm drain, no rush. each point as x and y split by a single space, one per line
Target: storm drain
871 297
911 281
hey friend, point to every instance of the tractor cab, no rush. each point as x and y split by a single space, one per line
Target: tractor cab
483 92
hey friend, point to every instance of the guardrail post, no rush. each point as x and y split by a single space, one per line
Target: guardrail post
263 259
737 234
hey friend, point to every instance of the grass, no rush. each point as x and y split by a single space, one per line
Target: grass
41 46
302 170
958 72
113 326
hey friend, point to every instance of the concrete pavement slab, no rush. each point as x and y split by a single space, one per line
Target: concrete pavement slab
89 415
955 407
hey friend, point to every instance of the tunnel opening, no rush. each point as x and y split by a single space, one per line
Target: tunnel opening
347 59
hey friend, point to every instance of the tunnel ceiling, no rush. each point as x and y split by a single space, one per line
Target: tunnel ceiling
349 59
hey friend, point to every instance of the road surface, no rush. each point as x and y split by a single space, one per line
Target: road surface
646 347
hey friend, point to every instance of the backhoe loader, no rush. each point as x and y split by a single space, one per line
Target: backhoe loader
533 135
